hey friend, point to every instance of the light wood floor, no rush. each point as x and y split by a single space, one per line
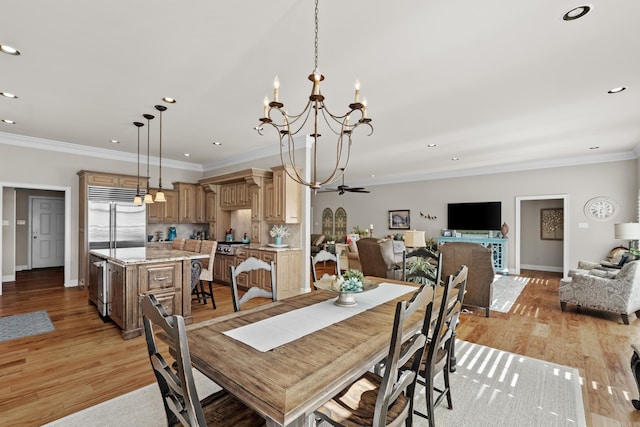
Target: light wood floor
85 361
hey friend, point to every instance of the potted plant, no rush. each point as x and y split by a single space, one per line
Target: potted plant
278 232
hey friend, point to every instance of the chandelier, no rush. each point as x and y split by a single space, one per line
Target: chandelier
291 124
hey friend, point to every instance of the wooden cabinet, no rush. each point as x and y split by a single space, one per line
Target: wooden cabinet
166 212
282 198
164 281
187 202
116 277
114 180
234 196
210 206
201 204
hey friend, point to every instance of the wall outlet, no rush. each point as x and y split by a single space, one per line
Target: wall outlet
5 223
21 222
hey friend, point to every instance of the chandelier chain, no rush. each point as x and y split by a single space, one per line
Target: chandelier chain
316 37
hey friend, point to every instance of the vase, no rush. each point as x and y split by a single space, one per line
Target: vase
346 299
504 230
278 240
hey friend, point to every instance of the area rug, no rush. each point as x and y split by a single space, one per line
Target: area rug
490 388
24 325
506 290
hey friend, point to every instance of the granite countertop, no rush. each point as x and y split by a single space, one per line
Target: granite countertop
143 255
262 247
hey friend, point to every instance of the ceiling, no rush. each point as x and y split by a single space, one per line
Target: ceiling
500 85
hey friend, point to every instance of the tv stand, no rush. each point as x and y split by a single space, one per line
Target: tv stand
499 247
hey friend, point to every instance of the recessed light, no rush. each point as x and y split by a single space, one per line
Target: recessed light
617 89
114 141
431 145
455 158
373 175
576 13
594 148
187 155
9 122
9 50
217 143
8 95
169 100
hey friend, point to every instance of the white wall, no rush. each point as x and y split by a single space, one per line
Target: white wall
618 180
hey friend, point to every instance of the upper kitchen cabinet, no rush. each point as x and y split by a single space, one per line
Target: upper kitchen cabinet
234 196
191 202
166 212
282 198
210 206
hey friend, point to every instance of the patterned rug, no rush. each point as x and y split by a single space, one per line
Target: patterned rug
506 290
24 325
490 388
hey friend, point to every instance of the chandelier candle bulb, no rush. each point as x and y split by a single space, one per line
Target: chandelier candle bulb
266 106
357 86
364 108
276 86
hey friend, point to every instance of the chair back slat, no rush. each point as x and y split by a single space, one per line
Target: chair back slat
178 243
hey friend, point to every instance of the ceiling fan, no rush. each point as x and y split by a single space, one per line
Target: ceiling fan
342 188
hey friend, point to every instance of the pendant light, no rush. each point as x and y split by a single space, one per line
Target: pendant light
160 194
138 199
147 197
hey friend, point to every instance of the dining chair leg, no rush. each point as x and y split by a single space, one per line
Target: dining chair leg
213 300
447 387
202 292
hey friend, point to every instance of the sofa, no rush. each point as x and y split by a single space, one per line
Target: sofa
609 289
317 242
479 260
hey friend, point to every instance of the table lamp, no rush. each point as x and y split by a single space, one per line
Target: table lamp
414 239
628 231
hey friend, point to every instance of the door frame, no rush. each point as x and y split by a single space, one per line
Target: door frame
67 225
565 237
30 228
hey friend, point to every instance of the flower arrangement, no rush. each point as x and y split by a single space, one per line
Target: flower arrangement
279 231
351 281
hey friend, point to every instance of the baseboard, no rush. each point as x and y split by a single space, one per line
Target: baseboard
22 267
541 268
9 278
71 284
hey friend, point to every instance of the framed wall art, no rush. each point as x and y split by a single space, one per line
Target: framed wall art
552 224
399 220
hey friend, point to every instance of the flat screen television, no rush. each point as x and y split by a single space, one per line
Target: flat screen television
474 216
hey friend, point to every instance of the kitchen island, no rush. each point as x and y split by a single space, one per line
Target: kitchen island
119 278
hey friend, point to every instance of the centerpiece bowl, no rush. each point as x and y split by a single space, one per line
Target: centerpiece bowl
346 298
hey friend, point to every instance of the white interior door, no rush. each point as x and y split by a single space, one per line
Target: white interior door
47 232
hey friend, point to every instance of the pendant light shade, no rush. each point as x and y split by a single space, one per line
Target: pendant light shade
160 194
137 200
147 197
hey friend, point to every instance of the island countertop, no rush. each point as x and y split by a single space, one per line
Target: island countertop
142 255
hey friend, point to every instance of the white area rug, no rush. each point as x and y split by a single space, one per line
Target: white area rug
506 290
490 388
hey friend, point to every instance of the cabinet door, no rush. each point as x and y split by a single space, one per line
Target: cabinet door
265 279
116 294
160 277
132 182
170 301
228 196
103 180
200 204
218 268
155 211
95 277
255 203
228 262
186 203
242 195
171 206
268 201
210 208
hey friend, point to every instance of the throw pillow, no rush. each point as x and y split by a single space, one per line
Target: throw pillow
353 247
319 240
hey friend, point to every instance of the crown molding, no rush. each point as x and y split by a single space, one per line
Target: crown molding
84 150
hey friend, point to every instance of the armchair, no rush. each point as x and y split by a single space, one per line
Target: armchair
609 290
317 241
479 260
378 259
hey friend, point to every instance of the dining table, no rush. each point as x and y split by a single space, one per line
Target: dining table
285 376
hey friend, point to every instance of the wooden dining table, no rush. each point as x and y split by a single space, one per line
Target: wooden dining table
286 384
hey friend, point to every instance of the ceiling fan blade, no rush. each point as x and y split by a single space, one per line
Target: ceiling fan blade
355 188
360 190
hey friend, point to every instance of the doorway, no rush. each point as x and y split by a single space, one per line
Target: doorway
8 229
522 221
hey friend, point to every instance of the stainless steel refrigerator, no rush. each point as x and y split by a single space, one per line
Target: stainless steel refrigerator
113 220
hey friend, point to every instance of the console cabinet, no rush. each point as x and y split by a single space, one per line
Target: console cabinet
499 247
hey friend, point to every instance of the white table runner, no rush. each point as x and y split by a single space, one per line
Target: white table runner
275 331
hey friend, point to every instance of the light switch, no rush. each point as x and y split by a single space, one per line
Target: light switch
583 225
5 222
21 222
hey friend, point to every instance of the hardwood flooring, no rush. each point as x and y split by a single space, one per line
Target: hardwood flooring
85 361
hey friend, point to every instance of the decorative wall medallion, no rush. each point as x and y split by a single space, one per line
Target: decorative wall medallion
600 208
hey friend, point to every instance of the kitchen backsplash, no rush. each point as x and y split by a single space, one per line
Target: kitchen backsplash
185 231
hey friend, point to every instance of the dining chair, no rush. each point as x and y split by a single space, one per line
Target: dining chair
248 266
323 256
423 269
178 243
192 245
375 400
206 274
177 387
438 348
